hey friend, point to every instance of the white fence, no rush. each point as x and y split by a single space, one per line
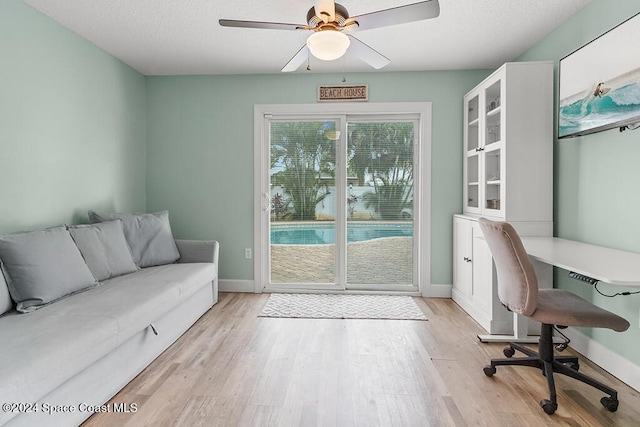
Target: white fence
325 210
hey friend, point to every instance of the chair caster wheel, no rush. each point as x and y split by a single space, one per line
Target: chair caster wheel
610 404
548 406
508 352
489 370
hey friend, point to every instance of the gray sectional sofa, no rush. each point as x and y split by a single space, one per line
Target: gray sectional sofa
66 350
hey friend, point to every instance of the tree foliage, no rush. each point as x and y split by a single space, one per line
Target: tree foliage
303 160
379 153
384 153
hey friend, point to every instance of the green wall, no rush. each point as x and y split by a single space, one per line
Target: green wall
596 178
72 125
200 151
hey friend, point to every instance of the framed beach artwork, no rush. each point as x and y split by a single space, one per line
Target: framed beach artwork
599 85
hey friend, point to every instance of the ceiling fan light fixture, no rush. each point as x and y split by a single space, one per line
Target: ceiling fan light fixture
328 45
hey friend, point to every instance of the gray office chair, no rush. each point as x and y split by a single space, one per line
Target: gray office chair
518 291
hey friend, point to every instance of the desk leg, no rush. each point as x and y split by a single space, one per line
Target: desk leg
519 333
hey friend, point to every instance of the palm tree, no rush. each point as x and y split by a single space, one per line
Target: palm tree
303 158
384 151
359 151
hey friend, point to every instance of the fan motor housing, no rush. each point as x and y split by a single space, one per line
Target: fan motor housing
315 21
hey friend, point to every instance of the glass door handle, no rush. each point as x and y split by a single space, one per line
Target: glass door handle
267 207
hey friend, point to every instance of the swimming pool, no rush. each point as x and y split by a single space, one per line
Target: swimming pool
323 234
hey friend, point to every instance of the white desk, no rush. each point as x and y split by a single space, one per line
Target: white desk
604 264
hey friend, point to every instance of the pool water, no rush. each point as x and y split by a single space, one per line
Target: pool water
323 234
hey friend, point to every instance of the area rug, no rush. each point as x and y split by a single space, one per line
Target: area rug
340 306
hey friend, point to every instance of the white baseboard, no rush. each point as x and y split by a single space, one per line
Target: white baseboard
621 368
236 286
437 291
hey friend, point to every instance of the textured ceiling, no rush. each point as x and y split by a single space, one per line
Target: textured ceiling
175 37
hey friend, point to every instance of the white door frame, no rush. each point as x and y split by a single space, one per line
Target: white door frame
422 197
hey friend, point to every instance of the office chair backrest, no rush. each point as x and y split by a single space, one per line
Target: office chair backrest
517 281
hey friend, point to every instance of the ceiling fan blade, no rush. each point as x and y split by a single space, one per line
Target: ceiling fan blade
298 59
367 53
397 15
264 25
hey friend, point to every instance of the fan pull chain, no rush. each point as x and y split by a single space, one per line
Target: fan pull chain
308 61
344 61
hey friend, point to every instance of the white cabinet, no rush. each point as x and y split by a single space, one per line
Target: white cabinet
474 277
462 257
508 144
508 176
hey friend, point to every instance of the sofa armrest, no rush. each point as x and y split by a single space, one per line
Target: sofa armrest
201 251
198 251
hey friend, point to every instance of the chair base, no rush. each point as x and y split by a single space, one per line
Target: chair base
549 364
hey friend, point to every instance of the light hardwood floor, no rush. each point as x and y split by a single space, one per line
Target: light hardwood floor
233 368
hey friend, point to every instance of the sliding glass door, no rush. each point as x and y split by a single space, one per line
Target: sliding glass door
339 202
302 182
380 225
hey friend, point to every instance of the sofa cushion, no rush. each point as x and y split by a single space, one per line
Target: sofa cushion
47 347
104 249
148 235
150 293
42 267
137 299
6 304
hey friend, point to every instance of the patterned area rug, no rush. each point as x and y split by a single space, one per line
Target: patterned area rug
340 306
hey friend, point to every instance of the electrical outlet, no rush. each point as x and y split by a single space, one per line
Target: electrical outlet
247 253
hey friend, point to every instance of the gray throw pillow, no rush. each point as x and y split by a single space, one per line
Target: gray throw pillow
104 249
43 266
6 304
148 235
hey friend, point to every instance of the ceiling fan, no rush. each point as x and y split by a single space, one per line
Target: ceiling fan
331 25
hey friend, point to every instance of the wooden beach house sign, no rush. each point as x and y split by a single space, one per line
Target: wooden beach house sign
343 93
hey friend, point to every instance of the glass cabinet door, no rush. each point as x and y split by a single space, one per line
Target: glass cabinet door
492 181
492 149
473 147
